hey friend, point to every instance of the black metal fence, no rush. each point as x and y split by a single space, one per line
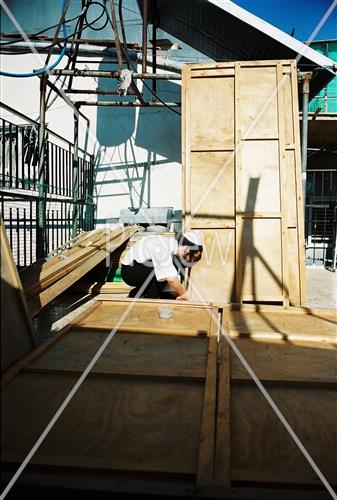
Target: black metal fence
320 217
19 189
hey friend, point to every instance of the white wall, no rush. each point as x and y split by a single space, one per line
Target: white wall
137 151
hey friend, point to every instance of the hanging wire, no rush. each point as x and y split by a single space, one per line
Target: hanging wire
44 70
120 11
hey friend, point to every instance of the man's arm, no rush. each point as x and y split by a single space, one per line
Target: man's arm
177 287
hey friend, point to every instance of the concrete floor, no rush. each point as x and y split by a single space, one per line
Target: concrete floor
321 288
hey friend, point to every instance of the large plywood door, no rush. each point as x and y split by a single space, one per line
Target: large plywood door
241 181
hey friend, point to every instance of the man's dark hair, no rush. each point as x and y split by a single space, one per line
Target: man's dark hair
182 241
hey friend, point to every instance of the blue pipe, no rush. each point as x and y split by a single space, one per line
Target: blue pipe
41 71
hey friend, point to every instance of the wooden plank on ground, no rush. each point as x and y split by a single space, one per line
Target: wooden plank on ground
30 274
37 302
65 265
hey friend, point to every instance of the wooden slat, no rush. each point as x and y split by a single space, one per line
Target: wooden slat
68 264
300 196
37 302
17 332
222 467
30 274
207 436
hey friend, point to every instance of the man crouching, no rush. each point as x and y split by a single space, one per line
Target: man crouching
158 262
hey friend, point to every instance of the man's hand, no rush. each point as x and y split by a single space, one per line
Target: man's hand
182 297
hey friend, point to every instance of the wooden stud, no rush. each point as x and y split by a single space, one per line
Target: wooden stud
222 466
207 437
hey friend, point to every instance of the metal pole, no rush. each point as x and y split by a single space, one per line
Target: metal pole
113 104
75 175
77 46
304 134
154 60
144 38
114 74
62 93
41 247
115 30
97 92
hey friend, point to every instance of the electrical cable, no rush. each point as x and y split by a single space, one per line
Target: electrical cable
120 7
71 58
52 66
90 25
44 30
58 43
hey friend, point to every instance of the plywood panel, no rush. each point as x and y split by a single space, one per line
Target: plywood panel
260 160
213 278
261 260
278 360
212 113
129 354
189 320
284 323
263 451
135 425
212 175
257 103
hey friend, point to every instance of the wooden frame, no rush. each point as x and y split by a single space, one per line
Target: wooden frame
247 111
182 384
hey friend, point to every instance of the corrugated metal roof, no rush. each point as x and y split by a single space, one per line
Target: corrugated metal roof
224 31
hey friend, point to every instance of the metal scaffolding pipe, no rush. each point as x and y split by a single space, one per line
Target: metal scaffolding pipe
144 36
64 97
95 51
75 175
41 243
97 91
304 133
154 60
113 74
129 104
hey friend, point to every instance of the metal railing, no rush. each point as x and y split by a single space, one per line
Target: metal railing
320 217
19 188
19 213
19 162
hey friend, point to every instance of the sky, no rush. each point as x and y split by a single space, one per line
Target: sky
303 15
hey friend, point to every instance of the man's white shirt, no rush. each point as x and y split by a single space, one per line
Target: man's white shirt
158 249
